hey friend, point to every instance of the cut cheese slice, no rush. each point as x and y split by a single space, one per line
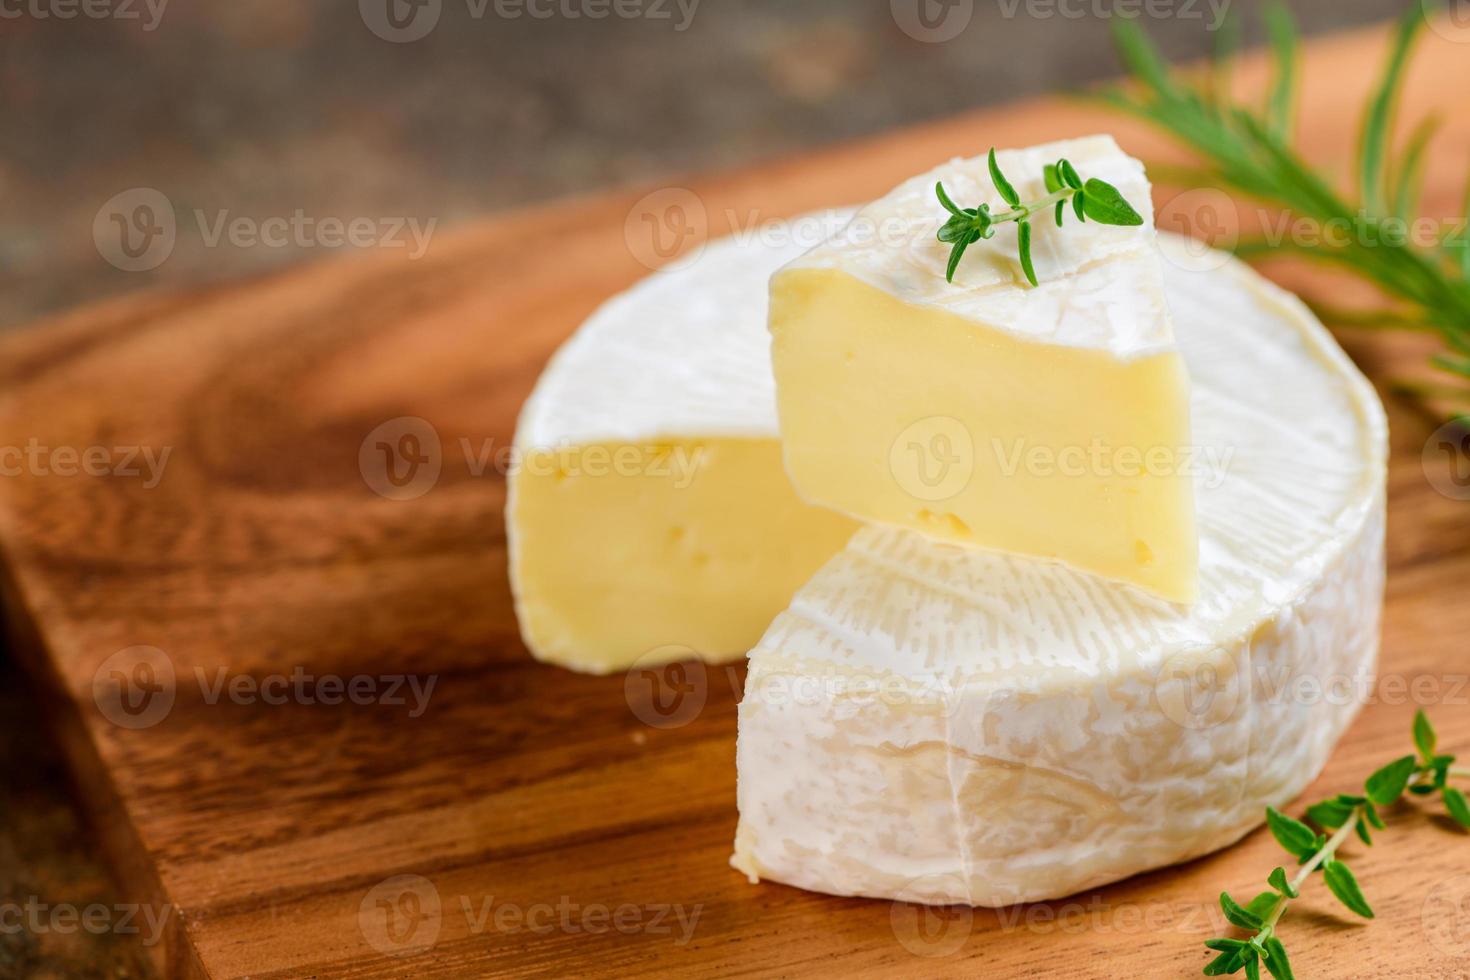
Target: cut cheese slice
649 517
1049 421
950 725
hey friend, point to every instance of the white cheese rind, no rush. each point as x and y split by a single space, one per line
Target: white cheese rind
683 352
1100 285
1032 733
689 557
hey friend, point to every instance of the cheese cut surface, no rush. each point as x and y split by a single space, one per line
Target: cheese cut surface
649 516
941 724
1050 421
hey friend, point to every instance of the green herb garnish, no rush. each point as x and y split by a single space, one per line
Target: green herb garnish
1095 199
1248 150
1342 816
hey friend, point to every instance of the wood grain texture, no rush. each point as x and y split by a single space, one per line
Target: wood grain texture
271 829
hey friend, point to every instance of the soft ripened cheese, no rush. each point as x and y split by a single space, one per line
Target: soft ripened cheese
1049 421
948 725
649 517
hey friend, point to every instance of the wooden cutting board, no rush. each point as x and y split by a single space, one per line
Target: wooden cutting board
529 821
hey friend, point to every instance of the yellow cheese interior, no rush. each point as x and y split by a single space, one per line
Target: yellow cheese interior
907 415
688 548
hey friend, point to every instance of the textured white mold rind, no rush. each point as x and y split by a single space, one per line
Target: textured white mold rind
1100 285
1012 760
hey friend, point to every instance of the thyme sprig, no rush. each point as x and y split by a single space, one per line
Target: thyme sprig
1249 150
1094 198
1342 816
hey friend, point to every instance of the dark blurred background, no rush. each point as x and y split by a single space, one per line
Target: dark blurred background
261 108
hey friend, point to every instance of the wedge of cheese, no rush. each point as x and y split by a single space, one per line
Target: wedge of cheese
649 517
948 725
1050 421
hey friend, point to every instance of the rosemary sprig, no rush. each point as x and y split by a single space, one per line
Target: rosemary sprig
1094 198
1343 815
1249 150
